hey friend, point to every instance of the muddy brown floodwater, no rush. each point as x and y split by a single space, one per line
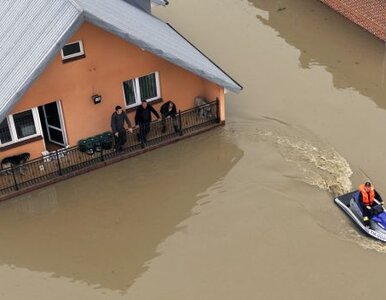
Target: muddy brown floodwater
242 212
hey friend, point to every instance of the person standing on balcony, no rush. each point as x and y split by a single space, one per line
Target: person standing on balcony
169 109
118 119
143 120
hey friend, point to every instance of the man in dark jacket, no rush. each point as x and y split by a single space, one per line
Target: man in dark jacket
169 109
143 119
118 120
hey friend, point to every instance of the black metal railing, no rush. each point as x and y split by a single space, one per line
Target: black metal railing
68 161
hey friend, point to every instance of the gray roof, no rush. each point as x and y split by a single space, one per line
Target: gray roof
33 32
147 4
160 2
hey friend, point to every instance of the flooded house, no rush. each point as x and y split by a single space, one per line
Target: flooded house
369 14
66 64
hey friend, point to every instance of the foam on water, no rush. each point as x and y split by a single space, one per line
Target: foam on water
322 165
319 163
350 234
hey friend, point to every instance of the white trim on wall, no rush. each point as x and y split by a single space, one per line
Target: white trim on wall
137 90
80 53
12 128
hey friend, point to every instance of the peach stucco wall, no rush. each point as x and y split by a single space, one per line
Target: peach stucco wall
34 149
109 61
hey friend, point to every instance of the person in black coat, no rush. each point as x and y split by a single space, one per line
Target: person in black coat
169 109
118 119
143 120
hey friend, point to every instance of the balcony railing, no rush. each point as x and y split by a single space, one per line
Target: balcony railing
71 161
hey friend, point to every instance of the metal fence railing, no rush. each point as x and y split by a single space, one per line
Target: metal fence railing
70 160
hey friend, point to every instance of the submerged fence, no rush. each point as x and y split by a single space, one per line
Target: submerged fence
68 161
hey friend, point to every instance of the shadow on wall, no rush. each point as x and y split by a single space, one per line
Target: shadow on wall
355 58
103 227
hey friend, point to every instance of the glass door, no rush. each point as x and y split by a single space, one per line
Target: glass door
54 123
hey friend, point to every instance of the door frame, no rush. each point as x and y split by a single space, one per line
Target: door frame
62 128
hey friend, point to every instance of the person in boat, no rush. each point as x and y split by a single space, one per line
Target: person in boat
367 195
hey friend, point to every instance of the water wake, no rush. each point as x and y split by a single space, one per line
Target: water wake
322 165
352 235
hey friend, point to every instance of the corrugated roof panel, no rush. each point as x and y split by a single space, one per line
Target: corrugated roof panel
150 33
31 36
33 32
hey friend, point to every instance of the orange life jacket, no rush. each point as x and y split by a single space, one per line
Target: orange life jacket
365 196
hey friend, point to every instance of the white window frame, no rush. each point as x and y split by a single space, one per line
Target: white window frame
137 91
12 128
80 42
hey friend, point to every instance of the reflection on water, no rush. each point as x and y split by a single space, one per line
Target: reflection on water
332 41
102 227
29 207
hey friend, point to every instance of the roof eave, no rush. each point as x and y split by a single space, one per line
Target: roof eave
233 87
55 49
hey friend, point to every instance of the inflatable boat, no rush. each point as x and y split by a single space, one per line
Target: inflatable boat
350 205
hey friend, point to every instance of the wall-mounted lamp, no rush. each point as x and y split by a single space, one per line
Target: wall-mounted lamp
96 98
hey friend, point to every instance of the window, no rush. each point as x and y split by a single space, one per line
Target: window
148 87
141 88
72 51
20 126
24 124
128 87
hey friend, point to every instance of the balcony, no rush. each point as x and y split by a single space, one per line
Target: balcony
69 162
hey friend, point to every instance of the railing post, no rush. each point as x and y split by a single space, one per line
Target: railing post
102 157
218 110
180 121
14 178
59 166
